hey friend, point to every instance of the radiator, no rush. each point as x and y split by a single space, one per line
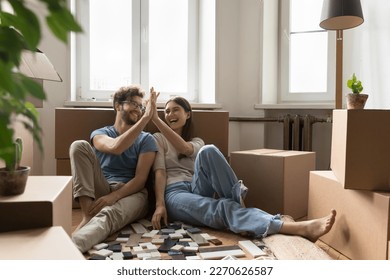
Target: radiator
297 129
298 132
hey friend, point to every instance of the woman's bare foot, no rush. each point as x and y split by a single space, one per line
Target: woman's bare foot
311 229
318 227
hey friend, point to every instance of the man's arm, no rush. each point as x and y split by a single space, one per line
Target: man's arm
121 143
145 162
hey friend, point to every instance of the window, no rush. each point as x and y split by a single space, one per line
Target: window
146 42
307 54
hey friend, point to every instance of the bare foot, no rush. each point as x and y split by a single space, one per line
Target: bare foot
318 227
311 229
83 222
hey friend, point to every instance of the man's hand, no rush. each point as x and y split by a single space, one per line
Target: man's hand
159 214
102 202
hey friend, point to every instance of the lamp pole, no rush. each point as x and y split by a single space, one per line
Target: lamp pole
339 15
339 69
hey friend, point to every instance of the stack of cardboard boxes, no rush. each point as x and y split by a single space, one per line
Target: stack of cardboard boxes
38 223
358 185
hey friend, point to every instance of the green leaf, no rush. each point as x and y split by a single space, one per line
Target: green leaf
61 22
55 4
19 92
33 87
6 82
27 23
33 113
34 128
354 84
6 140
11 45
349 84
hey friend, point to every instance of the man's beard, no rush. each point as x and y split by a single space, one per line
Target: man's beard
127 119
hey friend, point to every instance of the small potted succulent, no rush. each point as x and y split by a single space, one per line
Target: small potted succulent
356 99
13 177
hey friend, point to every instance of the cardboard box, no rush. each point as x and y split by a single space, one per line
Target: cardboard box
51 243
211 126
278 181
47 201
360 156
361 230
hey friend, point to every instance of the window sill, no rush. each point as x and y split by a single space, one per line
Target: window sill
285 106
108 104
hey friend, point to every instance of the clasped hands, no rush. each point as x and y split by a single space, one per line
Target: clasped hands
151 105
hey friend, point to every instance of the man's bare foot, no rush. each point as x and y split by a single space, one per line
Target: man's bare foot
83 222
311 229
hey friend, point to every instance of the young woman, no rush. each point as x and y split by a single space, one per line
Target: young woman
188 173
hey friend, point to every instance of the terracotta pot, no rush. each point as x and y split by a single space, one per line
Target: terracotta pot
356 100
13 182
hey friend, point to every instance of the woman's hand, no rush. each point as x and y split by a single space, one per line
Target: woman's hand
159 214
150 106
154 95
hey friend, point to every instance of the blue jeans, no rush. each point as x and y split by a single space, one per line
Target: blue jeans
194 203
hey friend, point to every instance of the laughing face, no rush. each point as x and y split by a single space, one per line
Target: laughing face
131 110
176 116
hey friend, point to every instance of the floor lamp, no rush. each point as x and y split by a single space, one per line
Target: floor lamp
339 15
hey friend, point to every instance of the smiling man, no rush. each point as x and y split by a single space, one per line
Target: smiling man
110 172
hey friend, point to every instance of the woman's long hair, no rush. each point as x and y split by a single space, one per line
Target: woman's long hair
187 129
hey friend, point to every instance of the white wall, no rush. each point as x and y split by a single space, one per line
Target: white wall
238 80
238 68
57 92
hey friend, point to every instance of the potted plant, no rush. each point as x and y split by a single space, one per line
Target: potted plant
20 30
13 177
356 99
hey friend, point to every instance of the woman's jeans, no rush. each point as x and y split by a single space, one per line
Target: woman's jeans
194 202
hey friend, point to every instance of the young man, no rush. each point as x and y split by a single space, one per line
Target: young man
110 172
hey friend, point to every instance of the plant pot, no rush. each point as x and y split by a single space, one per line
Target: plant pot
356 100
13 182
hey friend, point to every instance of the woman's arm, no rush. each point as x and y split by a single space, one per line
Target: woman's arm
181 146
159 189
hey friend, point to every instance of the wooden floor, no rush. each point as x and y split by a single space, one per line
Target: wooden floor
229 238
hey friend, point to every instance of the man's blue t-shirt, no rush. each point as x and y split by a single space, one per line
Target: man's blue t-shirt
121 168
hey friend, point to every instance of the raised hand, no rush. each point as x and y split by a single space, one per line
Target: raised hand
151 106
153 98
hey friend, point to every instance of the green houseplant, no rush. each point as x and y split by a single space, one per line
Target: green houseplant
13 178
356 99
20 30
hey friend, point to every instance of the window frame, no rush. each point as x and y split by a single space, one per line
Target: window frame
80 88
284 94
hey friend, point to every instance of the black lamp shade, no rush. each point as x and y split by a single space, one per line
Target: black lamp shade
341 14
